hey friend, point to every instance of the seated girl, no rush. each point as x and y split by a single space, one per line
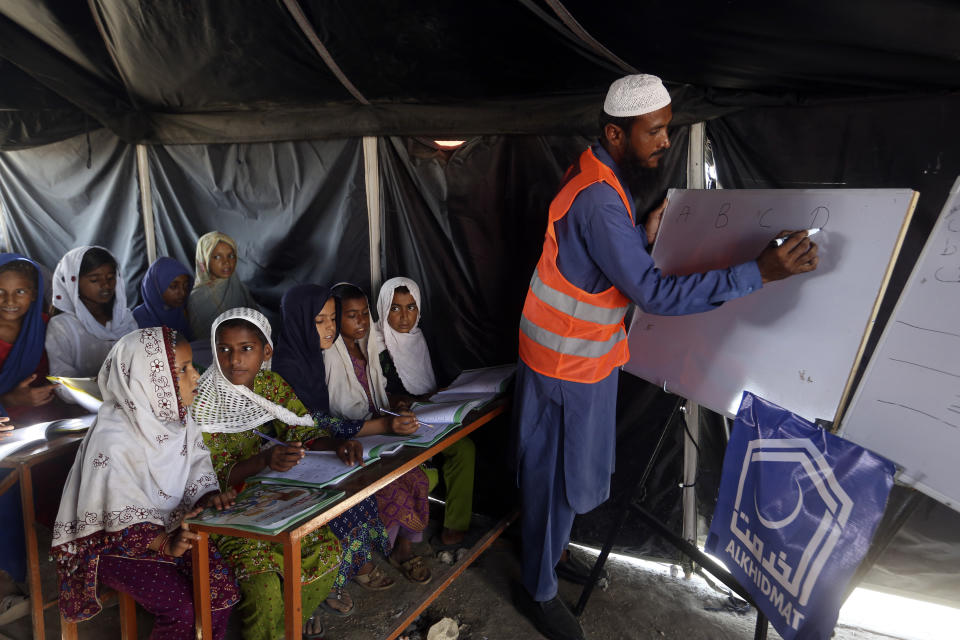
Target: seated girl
23 361
409 373
217 287
26 396
238 394
165 289
93 312
138 474
309 316
357 391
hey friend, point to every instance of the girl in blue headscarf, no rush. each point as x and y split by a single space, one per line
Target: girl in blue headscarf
23 386
165 289
23 362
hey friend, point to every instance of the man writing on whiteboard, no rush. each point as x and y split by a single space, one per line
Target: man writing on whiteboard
595 262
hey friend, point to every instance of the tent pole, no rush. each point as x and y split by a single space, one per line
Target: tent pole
695 180
371 179
146 203
695 152
4 235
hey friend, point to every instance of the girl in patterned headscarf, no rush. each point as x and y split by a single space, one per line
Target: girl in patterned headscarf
140 471
217 287
237 394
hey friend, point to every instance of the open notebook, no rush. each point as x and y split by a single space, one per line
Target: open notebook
324 468
25 436
269 508
444 412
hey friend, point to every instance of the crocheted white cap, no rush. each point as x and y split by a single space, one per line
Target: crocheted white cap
635 95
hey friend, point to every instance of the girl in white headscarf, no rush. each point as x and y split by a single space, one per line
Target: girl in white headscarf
358 391
93 312
237 394
406 353
140 471
408 370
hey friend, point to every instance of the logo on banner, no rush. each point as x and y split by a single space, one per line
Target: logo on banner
795 513
803 463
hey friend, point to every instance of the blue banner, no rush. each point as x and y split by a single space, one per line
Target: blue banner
796 512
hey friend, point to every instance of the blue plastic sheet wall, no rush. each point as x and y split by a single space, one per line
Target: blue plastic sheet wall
296 209
75 192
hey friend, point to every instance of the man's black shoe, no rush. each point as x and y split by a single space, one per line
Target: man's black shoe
575 570
555 621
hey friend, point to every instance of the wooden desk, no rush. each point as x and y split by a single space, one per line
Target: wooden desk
22 463
358 486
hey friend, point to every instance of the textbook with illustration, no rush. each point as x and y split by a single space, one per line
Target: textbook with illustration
269 508
83 391
25 436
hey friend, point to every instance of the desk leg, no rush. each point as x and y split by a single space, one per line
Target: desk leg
68 630
33 555
292 605
201 586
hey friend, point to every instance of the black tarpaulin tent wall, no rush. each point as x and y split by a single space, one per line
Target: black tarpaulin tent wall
141 125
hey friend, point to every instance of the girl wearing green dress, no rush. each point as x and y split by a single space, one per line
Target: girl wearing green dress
237 395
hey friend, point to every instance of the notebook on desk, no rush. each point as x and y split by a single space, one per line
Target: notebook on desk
23 437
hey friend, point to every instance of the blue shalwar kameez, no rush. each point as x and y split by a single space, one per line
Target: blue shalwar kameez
565 431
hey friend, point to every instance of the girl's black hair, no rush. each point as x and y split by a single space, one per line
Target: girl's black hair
240 323
25 269
349 292
401 289
95 258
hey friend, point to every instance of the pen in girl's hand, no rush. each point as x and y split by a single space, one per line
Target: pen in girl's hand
391 413
284 444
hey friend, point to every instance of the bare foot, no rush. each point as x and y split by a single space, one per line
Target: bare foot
342 604
313 628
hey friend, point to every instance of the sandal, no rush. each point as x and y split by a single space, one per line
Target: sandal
339 604
374 580
12 607
313 621
413 569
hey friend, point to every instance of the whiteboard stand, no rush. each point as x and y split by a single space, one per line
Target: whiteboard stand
632 501
691 449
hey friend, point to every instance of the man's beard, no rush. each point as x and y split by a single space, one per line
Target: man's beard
639 179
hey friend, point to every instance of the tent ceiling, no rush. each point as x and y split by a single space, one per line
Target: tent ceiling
188 71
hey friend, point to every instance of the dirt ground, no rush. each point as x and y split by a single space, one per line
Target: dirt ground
638 604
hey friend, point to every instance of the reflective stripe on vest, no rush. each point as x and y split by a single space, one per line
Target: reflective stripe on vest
573 307
570 346
565 332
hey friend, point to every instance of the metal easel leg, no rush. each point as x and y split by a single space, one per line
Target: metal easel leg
624 512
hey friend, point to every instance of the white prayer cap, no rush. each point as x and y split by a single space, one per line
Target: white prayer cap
635 95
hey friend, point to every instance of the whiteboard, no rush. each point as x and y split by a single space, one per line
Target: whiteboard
794 342
907 407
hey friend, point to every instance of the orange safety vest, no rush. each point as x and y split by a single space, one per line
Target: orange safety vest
566 332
